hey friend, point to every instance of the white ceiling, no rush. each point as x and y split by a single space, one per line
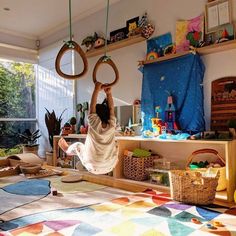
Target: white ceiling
36 19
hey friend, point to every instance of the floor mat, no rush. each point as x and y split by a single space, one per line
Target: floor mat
133 215
21 193
82 186
11 201
4 181
29 187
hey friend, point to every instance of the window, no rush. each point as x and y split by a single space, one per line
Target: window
17 101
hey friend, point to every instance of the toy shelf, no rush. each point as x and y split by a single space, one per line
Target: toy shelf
176 151
214 48
113 46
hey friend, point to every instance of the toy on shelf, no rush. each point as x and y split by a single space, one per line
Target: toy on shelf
170 114
95 41
133 30
151 56
88 42
82 109
157 123
147 134
99 41
128 131
147 28
69 127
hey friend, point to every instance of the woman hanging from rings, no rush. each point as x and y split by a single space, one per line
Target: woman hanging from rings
99 154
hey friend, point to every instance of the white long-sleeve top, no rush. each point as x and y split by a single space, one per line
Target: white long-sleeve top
99 154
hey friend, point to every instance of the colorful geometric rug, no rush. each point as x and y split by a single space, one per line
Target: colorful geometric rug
145 214
32 187
82 186
23 192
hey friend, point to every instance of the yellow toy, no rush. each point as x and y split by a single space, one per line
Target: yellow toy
157 122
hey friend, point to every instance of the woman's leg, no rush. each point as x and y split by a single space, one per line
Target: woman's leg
64 146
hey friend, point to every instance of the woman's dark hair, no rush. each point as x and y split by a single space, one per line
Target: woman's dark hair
103 111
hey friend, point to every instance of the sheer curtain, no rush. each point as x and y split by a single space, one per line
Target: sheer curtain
54 92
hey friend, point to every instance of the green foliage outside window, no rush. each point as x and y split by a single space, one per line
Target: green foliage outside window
17 98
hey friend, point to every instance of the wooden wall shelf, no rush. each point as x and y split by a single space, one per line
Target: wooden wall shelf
214 48
116 45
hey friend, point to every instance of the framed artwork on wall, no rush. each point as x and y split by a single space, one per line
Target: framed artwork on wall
217 14
189 33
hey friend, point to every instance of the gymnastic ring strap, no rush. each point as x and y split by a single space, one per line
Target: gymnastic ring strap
105 60
71 45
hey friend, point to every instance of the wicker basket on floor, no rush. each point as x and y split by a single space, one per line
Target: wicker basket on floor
135 167
193 188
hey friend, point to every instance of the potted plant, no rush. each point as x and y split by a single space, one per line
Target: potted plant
53 124
29 141
232 127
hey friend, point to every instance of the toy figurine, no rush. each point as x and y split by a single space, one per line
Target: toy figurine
157 122
170 114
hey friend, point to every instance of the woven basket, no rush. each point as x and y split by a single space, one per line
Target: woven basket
222 170
135 167
30 168
191 187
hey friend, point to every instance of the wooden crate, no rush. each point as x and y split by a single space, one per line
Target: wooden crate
223 103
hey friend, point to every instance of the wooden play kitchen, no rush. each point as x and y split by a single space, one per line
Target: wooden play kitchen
173 150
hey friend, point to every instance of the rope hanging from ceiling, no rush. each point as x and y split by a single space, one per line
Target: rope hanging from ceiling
106 59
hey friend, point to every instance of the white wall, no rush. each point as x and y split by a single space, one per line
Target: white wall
164 14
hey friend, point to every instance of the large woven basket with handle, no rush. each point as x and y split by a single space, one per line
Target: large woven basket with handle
222 170
192 187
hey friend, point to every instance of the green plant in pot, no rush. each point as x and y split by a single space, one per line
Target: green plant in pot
29 140
232 127
53 124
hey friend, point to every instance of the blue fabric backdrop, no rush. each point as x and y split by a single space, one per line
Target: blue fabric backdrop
182 77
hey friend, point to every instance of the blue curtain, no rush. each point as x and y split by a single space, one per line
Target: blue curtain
181 77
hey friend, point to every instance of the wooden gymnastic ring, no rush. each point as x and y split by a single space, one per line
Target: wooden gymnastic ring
77 48
108 61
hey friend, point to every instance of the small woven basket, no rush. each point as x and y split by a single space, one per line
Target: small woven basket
191 187
30 168
135 167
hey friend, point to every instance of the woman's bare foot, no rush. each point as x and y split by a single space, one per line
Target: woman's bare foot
63 144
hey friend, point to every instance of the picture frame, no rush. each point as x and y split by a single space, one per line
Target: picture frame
133 20
132 25
217 14
118 35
